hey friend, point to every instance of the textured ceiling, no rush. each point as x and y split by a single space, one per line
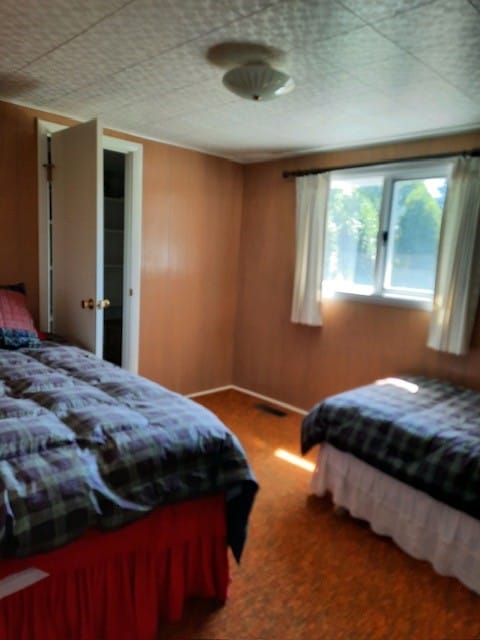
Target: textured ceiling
366 71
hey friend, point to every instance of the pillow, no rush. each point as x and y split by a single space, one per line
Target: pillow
16 324
20 287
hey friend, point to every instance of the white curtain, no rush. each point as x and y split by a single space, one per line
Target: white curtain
311 214
457 284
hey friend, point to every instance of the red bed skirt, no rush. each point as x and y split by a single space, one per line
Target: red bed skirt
120 584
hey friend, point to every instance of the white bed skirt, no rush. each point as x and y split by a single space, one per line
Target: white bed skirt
422 526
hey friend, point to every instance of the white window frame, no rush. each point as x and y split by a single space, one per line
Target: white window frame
390 173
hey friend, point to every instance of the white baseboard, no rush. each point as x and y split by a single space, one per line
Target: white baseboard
290 407
206 392
248 392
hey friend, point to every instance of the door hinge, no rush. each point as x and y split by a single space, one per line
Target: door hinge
49 167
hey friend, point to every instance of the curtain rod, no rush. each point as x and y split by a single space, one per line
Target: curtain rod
309 172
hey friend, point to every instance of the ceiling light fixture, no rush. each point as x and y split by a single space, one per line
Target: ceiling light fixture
258 81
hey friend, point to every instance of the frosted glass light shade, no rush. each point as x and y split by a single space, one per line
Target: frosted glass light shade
257 81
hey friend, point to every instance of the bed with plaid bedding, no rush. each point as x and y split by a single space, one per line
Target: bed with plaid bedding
84 443
422 431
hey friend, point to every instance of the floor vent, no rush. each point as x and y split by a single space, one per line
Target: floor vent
266 408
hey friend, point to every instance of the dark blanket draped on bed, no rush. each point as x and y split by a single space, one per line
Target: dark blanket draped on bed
84 443
423 432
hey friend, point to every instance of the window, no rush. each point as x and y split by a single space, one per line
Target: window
383 228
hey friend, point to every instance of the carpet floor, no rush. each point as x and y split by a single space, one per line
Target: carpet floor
308 574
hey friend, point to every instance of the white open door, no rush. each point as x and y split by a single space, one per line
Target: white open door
77 235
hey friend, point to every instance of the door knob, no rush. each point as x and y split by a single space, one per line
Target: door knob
90 304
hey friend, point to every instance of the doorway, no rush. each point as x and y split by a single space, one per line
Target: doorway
113 252
118 213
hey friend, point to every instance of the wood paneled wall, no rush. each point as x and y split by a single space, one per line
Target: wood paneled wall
191 230
359 341
190 243
18 201
19 197
208 310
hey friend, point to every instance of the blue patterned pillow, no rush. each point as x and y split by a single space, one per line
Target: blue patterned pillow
16 338
16 324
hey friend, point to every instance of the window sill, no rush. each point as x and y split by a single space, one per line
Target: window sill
389 301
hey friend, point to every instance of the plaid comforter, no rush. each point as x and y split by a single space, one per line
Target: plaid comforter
423 432
84 443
